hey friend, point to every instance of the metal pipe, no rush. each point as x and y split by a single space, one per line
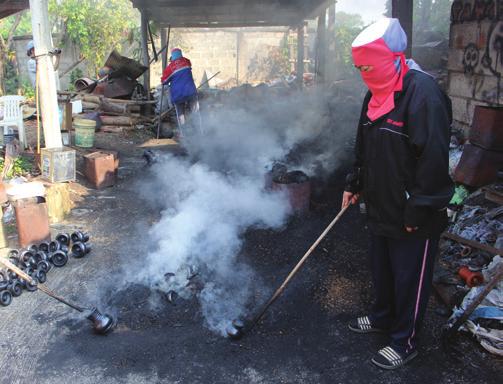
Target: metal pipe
102 323
280 290
162 93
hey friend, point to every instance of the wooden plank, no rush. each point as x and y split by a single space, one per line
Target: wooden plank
114 129
472 243
117 120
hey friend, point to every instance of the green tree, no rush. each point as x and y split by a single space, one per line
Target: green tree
429 15
347 27
95 26
19 23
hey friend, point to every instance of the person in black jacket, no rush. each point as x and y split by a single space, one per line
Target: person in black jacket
401 172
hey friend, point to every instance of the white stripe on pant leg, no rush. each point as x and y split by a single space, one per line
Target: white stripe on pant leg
419 289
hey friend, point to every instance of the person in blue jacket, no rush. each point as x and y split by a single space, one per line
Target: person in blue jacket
183 91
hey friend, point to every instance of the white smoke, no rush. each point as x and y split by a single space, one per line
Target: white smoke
211 197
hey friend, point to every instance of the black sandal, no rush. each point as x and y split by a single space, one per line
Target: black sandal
363 325
389 358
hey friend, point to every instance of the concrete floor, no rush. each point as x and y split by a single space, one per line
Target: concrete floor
304 338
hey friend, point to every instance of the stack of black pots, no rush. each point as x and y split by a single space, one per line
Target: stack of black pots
38 260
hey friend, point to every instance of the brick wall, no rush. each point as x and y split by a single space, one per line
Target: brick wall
475 57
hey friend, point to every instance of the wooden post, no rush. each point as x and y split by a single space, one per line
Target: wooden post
238 54
46 75
144 50
403 11
300 55
331 44
164 40
321 48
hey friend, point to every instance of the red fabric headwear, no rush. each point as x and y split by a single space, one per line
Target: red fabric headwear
386 77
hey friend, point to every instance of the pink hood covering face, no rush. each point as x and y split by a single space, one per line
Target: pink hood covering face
386 77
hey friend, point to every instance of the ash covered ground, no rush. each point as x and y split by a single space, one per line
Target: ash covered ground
303 339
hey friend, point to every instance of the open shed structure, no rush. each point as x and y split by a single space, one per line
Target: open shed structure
228 13
244 13
9 7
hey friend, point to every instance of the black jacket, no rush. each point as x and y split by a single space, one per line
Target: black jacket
402 161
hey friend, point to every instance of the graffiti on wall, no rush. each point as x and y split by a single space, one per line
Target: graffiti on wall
493 56
478 10
471 58
485 60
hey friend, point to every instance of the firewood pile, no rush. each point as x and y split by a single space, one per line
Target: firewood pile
116 100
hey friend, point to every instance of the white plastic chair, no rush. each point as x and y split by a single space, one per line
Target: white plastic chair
13 116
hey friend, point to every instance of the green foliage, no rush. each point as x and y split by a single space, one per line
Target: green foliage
24 27
22 166
11 78
347 27
26 89
96 26
440 14
433 15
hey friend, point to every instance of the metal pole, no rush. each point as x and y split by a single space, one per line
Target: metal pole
498 275
280 290
164 60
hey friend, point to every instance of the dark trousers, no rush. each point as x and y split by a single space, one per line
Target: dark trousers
402 272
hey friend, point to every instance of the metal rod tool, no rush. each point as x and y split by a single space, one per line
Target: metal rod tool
238 328
102 323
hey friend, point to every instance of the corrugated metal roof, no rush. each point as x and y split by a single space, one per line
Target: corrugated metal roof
9 7
229 13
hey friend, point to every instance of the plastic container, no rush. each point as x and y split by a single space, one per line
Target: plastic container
84 132
58 164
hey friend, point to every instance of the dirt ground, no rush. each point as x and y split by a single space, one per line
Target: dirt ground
303 339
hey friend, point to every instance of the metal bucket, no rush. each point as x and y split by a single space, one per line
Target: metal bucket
486 129
298 191
84 132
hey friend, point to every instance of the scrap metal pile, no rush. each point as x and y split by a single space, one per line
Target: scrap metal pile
37 260
116 100
469 275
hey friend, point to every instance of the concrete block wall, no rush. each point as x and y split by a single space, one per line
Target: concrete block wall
234 52
69 56
475 57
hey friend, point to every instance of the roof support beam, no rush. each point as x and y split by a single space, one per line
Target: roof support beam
8 8
144 51
300 55
403 11
229 13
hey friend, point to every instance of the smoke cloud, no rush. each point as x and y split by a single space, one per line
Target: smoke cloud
211 197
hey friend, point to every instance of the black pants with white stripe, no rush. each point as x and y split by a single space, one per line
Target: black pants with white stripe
402 272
